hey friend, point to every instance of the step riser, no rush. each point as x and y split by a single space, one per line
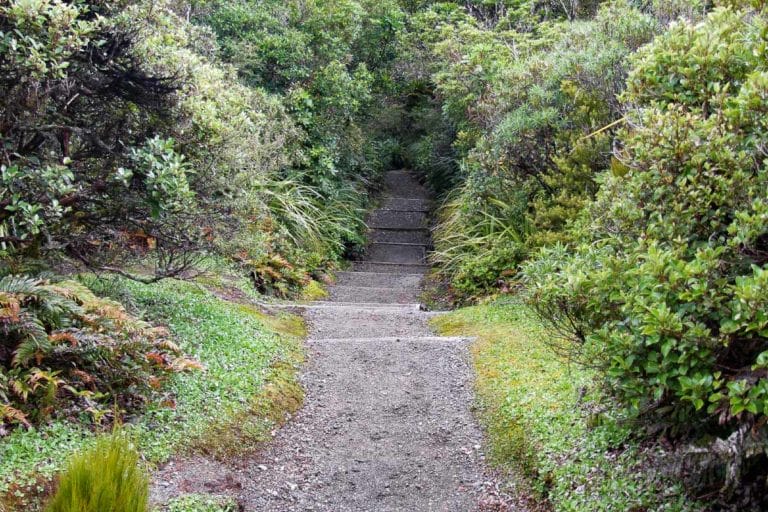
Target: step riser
366 266
390 219
378 280
402 204
373 295
396 236
397 253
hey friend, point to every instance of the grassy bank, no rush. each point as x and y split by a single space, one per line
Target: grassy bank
248 382
541 424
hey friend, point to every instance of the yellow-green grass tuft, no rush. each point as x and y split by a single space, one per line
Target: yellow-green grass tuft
106 477
313 291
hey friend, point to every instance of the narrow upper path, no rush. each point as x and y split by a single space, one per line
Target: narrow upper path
387 422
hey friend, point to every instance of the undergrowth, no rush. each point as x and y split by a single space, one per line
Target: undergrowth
540 423
249 361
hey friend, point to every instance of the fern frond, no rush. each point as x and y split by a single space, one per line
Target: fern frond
23 285
13 415
34 340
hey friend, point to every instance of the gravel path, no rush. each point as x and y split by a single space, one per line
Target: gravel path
387 422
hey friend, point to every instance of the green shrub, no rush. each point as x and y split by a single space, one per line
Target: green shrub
107 476
481 272
665 291
530 117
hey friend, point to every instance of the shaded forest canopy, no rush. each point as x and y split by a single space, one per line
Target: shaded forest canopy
604 160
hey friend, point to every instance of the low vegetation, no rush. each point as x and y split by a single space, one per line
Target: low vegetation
544 427
602 160
201 503
246 377
106 476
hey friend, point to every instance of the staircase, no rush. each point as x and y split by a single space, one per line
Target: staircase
395 261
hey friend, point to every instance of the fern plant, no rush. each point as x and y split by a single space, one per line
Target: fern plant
62 345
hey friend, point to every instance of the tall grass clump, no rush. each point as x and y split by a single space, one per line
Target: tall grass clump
478 240
106 477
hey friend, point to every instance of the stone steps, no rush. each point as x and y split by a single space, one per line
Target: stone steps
397 253
400 236
395 260
378 279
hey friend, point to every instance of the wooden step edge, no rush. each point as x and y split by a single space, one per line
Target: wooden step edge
420 265
375 273
400 339
382 228
407 244
372 288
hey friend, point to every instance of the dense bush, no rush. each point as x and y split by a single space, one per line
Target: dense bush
126 138
527 109
665 290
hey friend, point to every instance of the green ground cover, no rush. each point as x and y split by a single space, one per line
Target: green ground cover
540 420
249 360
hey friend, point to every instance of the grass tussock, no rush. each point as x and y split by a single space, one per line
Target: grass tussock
106 477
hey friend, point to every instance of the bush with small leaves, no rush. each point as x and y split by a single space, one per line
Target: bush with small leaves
665 289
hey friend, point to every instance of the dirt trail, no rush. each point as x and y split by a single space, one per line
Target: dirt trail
387 423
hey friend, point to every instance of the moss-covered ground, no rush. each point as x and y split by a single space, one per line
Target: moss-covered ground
540 418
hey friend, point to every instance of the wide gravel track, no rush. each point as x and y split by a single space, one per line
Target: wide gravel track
387 423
